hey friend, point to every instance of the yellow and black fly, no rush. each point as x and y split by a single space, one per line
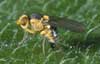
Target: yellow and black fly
47 25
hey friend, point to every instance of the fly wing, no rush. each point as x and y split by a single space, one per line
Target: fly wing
68 24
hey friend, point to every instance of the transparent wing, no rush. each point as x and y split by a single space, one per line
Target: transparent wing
68 24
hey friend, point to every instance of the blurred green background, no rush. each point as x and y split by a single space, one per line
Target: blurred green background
19 47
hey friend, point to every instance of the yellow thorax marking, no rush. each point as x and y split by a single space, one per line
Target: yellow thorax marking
39 25
36 24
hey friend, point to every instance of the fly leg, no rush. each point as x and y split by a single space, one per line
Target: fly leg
49 35
29 30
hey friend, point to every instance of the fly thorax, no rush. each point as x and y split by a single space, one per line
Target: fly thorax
37 25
